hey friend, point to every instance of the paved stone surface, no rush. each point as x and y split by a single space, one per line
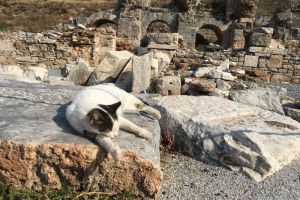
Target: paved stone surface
244 138
38 147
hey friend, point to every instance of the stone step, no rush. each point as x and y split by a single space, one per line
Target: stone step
38 149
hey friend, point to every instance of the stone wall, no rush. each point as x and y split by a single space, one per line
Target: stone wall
125 29
56 49
267 64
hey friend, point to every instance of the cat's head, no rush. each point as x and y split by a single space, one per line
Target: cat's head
104 118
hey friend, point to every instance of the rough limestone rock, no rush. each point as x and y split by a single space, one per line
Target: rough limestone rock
260 39
33 74
245 138
264 98
223 85
224 66
214 74
112 65
163 59
12 71
39 149
228 76
154 64
80 73
125 79
202 71
36 73
141 67
203 85
169 85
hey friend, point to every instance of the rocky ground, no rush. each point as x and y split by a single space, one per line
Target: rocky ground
186 178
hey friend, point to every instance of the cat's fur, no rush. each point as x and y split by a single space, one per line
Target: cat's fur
97 111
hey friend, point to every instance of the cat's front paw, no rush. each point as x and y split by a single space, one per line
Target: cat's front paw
117 154
156 114
145 134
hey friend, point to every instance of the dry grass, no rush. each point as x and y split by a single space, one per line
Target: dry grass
39 15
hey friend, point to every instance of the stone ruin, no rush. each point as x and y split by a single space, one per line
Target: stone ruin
266 45
193 47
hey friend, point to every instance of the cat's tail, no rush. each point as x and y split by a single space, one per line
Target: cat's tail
149 110
109 146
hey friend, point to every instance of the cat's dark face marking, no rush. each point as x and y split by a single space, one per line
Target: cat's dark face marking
102 118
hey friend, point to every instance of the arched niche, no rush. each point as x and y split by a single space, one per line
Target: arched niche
158 26
208 34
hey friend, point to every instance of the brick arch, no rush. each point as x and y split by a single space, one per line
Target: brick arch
219 27
168 18
209 33
102 22
102 18
212 22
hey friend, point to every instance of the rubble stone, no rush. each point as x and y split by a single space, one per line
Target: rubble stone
203 85
36 73
80 73
169 85
125 79
228 76
112 65
223 85
202 71
214 74
163 59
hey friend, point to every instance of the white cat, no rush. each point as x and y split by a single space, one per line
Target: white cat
97 111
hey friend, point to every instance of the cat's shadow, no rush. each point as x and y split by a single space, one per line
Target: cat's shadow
61 121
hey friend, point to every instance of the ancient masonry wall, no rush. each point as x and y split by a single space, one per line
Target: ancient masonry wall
275 67
125 29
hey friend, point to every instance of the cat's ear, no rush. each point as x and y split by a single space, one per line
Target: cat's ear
114 107
111 109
